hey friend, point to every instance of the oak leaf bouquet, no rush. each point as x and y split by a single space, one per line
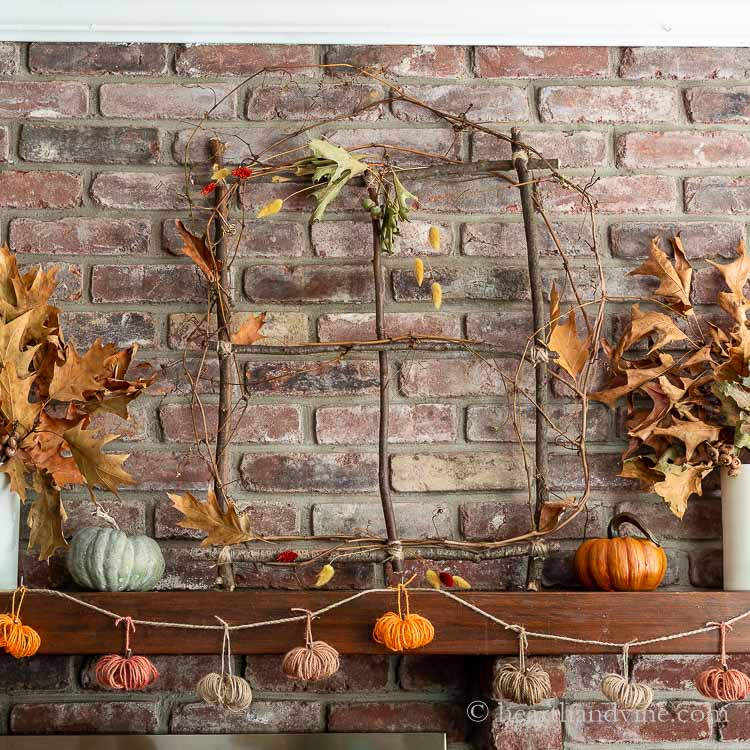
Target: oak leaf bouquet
684 379
48 396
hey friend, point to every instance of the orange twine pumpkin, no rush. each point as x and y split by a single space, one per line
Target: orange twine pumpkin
126 672
399 632
17 639
722 683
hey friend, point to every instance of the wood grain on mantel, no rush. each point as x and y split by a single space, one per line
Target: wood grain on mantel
67 628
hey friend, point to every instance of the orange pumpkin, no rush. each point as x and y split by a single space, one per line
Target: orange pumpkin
621 563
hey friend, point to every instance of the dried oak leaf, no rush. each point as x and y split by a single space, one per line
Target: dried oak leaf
691 433
48 447
222 527
679 483
249 332
674 279
199 252
14 398
736 275
552 510
634 378
16 471
572 350
77 376
46 518
655 325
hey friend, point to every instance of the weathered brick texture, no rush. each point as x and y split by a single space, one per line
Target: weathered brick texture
92 140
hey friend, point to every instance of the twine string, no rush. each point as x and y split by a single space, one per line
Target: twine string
626 658
523 644
128 627
308 624
723 627
226 650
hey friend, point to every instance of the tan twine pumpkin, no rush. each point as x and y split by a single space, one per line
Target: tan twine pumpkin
314 661
225 689
622 692
722 683
526 683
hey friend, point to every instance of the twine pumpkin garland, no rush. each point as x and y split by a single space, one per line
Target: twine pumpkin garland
19 640
401 632
626 694
722 683
314 661
127 672
225 689
526 683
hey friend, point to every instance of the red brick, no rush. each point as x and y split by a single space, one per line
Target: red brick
679 721
455 472
38 674
172 379
580 148
507 240
333 473
242 59
505 574
586 671
297 285
353 239
123 329
565 473
151 191
700 239
512 728
473 282
69 280
718 105
295 101
269 519
129 514
399 717
45 574
361 326
685 63
160 470
357 674
99 145
541 62
666 672
79 235
440 141
4 144
259 239
685 149
133 430
166 100
509 329
454 378
358 425
400 59
707 284
313 378
415 520
481 102
432 674
706 568
720 194
598 104
37 190
734 722
702 518
261 423
262 717
85 718
155 284
9 58
43 99
244 142
94 58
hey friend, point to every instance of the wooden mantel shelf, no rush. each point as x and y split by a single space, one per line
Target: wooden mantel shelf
67 628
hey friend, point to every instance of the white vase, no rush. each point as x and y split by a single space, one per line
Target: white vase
735 522
10 513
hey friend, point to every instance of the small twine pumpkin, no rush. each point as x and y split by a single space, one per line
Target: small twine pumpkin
626 694
401 632
225 689
316 660
722 683
17 639
127 672
525 683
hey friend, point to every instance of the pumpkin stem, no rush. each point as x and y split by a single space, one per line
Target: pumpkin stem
101 513
613 529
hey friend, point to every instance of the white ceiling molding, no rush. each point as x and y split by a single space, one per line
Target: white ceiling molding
529 22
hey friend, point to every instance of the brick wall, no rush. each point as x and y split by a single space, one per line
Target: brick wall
91 138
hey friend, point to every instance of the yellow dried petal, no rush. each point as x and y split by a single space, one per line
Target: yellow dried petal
279 178
326 573
273 207
437 295
419 271
434 237
432 578
220 174
461 583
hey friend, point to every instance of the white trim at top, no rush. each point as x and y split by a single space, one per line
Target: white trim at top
524 22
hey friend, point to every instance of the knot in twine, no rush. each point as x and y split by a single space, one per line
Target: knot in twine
403 630
126 672
17 639
225 689
395 550
526 683
316 660
722 683
626 694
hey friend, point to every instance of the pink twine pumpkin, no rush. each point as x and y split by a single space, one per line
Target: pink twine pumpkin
127 672
722 683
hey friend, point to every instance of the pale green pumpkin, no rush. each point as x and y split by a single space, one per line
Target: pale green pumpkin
109 560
